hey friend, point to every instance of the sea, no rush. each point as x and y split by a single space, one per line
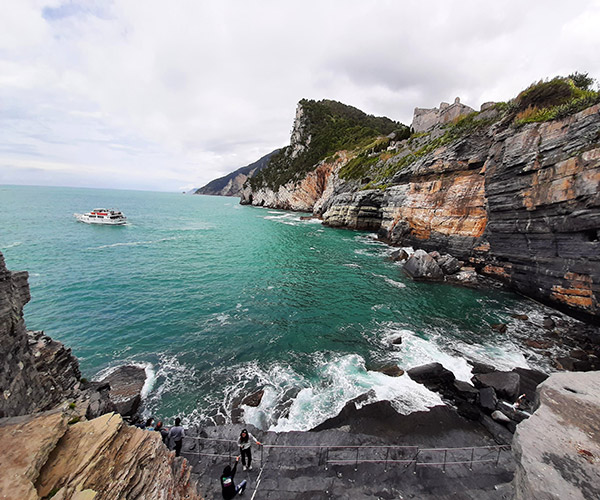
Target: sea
217 300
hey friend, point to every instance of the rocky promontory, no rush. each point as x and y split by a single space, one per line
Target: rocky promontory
513 194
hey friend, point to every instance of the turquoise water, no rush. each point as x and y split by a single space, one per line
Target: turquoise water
217 300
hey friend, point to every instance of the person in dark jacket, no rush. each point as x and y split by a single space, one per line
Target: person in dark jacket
164 433
228 487
176 435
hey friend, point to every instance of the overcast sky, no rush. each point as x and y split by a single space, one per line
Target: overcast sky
166 95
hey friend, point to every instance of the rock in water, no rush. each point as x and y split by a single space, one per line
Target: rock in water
126 384
253 399
506 384
421 266
449 264
557 449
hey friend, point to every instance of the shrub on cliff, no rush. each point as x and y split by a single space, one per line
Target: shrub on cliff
326 127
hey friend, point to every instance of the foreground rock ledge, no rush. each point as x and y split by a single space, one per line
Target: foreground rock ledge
557 450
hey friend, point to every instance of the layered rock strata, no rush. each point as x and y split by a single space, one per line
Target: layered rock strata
37 372
519 204
103 458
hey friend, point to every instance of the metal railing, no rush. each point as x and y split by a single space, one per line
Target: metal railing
389 455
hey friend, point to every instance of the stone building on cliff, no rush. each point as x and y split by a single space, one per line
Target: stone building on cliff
424 118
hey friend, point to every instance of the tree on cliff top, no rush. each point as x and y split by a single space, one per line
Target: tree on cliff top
325 127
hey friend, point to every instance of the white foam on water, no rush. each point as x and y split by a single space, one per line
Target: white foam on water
312 401
12 245
390 281
148 369
356 266
132 243
453 354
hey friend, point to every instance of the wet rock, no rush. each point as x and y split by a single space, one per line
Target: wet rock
499 327
488 399
391 370
421 266
253 399
468 410
522 317
481 367
506 384
126 384
396 340
538 344
398 255
435 377
549 323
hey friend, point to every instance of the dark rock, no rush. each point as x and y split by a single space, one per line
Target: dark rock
421 266
364 398
565 363
398 255
481 367
237 415
466 391
100 402
506 384
579 354
435 255
435 377
498 431
253 399
538 344
449 264
126 384
500 327
549 323
522 317
397 340
488 399
391 370
529 380
468 410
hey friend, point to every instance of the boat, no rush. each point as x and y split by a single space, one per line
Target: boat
104 216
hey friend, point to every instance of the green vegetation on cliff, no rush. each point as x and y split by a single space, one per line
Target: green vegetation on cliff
325 127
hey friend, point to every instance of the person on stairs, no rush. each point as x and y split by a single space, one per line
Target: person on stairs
244 444
228 487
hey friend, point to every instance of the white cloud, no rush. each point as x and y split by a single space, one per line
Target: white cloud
155 95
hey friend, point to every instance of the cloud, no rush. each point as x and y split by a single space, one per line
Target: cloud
160 96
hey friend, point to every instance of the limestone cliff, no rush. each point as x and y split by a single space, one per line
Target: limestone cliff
44 456
37 373
520 202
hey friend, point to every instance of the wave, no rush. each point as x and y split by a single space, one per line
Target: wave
390 281
132 243
148 369
12 245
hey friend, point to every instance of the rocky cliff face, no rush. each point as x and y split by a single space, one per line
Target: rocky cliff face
557 450
519 204
44 456
37 372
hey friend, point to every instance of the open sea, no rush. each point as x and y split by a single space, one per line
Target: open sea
217 300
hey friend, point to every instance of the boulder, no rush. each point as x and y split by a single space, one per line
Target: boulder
506 384
468 410
421 266
499 327
396 340
557 449
481 367
522 317
100 402
488 399
529 380
435 255
465 391
498 416
399 254
253 399
126 384
549 323
449 264
435 377
392 370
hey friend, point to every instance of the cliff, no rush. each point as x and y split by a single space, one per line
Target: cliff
557 449
232 184
48 448
37 372
44 456
512 194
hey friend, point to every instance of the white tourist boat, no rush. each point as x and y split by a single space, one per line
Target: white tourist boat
102 216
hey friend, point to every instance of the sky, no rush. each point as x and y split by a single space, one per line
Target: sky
167 96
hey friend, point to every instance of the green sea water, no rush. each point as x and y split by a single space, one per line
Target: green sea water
217 300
